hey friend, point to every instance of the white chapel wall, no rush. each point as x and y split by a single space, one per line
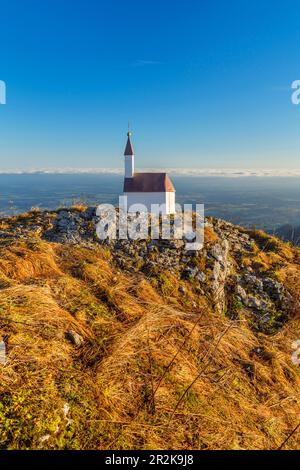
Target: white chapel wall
152 198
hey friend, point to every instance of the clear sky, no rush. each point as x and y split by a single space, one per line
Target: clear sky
204 83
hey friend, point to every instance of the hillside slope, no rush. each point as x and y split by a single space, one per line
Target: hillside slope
289 233
141 345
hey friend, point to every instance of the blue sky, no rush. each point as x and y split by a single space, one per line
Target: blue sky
204 83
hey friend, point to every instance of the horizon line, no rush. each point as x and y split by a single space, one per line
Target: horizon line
221 172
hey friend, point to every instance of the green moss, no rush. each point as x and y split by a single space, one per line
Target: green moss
267 322
166 284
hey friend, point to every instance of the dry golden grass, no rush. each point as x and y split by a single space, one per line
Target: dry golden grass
79 207
269 253
36 260
158 369
210 235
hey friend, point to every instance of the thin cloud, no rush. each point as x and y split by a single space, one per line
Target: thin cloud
238 173
144 63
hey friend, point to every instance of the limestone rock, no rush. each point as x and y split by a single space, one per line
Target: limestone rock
74 338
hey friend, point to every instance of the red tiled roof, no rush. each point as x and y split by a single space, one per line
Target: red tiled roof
148 183
129 148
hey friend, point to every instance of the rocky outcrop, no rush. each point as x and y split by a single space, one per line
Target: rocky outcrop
218 261
266 298
72 227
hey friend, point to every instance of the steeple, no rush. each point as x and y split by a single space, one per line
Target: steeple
128 148
129 157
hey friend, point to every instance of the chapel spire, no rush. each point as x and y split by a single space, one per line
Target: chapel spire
129 157
129 148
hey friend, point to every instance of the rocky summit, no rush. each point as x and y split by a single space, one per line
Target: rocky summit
142 344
